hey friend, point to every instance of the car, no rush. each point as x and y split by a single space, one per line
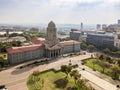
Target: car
2 87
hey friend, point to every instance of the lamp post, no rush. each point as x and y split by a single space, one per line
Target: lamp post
70 62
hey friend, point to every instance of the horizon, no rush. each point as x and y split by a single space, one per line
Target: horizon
60 11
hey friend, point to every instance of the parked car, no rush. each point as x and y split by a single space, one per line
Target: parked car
2 87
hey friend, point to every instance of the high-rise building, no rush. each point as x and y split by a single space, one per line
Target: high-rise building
119 22
98 27
104 26
81 27
7 33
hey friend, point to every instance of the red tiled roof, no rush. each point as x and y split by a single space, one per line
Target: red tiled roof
64 43
25 48
37 40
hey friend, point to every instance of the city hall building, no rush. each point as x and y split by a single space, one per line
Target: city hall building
50 48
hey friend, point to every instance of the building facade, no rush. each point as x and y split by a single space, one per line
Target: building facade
102 39
119 22
78 35
113 27
49 48
98 26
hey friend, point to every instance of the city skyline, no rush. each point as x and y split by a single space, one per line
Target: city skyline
60 11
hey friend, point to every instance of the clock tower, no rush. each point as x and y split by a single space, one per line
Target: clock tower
51 38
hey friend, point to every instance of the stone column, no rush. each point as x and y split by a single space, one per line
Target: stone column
46 53
59 52
55 53
50 54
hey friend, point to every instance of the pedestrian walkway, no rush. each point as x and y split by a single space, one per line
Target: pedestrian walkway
102 76
98 81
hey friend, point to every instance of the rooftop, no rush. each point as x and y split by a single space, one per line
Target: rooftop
37 40
64 43
100 34
25 48
51 24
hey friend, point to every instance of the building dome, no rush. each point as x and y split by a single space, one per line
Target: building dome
51 24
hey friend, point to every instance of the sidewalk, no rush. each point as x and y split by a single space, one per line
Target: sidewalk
102 76
102 80
105 85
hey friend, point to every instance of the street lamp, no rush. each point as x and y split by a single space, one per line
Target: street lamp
70 62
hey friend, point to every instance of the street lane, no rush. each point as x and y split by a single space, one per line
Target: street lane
98 81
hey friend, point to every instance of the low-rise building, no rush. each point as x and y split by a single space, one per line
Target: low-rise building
78 35
10 39
112 27
34 30
75 35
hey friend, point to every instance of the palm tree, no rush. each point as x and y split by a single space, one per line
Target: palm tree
75 74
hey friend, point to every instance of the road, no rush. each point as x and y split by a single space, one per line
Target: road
100 82
15 79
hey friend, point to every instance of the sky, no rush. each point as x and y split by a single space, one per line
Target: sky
59 11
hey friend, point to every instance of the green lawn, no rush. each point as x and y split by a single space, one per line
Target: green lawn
49 79
89 63
52 80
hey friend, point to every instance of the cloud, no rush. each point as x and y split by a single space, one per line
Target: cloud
61 11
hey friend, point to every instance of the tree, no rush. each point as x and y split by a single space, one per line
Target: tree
106 50
66 39
43 35
103 65
115 71
66 69
113 49
101 57
14 35
16 43
83 45
35 75
91 47
75 74
81 83
1 62
94 62
109 59
118 62
117 53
